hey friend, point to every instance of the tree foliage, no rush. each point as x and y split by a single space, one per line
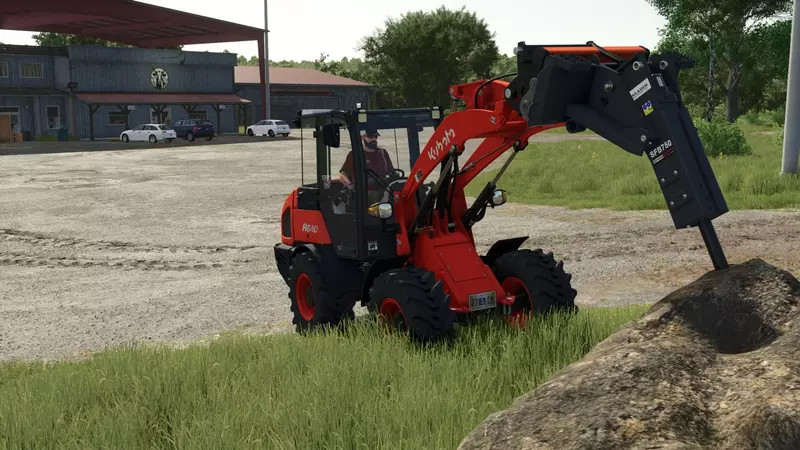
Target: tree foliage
49 39
505 64
764 62
734 29
421 54
353 68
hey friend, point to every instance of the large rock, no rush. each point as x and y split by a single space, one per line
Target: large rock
714 364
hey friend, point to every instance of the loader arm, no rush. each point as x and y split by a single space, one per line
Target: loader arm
623 94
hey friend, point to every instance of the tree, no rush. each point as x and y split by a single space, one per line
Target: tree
723 26
765 57
354 68
504 65
49 39
420 55
243 61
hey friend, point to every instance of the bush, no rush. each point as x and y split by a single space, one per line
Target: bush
768 118
698 111
722 138
777 138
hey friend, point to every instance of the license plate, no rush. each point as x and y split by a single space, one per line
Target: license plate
484 300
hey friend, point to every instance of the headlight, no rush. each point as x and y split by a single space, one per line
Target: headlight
382 210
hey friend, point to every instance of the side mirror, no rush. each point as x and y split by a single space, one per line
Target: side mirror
499 198
330 135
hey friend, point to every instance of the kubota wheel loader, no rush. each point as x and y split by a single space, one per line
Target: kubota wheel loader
403 245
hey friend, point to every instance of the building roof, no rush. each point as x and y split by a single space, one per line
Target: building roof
156 98
291 75
123 21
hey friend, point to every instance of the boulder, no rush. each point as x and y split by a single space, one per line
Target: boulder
714 364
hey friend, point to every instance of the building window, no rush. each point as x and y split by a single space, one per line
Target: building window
3 70
53 117
30 70
164 119
199 115
116 118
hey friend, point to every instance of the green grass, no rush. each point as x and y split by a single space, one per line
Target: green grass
597 174
359 389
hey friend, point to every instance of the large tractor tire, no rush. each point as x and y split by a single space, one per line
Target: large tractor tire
316 304
410 299
540 284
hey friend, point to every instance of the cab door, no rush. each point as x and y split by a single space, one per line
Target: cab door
339 202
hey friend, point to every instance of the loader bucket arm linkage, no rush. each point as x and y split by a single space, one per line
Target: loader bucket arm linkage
623 94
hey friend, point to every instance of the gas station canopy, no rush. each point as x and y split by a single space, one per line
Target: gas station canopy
124 21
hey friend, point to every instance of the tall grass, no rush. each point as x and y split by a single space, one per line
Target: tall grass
361 388
589 174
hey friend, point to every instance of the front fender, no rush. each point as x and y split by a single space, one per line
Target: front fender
502 247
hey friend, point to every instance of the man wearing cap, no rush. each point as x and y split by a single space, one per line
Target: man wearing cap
377 158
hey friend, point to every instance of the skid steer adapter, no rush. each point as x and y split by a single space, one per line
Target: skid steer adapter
632 99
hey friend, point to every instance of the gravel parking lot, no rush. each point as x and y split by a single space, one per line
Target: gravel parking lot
174 243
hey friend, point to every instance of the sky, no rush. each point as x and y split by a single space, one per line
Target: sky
336 27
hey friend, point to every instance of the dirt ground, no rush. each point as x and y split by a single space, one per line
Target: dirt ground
175 243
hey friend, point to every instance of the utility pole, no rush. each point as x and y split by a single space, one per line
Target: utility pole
266 63
791 129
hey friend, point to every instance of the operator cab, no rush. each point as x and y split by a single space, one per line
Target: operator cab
362 159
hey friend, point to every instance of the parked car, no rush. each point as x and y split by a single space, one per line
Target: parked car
192 128
152 132
269 128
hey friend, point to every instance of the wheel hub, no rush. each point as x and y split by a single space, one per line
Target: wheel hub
391 314
523 304
305 297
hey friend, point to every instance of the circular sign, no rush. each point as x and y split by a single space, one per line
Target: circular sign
159 78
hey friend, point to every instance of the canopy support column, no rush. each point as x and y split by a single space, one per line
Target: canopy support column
92 109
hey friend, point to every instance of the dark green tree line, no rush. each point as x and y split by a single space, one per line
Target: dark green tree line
738 43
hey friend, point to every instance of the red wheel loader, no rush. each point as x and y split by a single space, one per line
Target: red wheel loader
394 231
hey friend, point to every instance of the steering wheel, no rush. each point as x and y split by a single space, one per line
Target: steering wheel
396 174
396 180
345 196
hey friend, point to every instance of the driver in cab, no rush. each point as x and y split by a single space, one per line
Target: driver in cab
377 159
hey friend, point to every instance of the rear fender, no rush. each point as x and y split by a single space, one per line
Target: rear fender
338 275
285 253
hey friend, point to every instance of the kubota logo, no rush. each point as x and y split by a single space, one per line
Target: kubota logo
310 228
437 147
